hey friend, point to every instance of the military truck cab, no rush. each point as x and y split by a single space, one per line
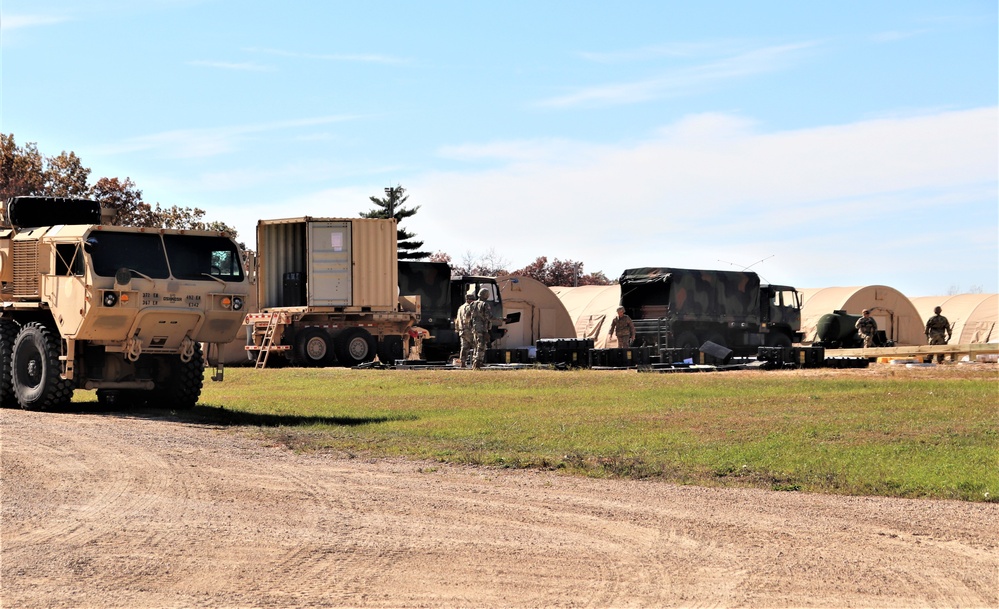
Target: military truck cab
441 293
780 315
122 310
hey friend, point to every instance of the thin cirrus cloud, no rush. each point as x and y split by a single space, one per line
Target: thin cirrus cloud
338 57
895 36
685 80
244 66
652 52
17 22
201 143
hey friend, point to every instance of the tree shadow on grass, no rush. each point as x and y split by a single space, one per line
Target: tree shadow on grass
204 414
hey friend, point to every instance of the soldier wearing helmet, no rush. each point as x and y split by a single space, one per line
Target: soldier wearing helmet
938 331
482 313
867 328
463 326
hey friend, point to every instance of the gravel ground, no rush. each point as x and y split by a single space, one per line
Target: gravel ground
110 510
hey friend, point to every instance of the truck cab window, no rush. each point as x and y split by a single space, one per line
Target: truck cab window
143 252
69 260
197 258
489 286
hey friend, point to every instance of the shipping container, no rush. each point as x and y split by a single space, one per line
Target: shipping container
328 292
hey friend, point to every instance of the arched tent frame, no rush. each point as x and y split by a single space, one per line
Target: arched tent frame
973 317
894 312
542 314
591 308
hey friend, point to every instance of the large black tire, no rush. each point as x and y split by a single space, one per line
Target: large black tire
8 334
36 369
355 346
777 339
180 388
314 347
251 354
687 340
390 349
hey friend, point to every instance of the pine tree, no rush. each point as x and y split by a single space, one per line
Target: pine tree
392 206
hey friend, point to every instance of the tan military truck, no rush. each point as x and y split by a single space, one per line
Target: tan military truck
122 310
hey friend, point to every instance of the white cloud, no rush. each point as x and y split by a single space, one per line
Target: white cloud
195 143
828 201
895 36
683 81
338 57
678 49
17 22
227 65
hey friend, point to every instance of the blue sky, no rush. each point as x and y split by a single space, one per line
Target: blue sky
824 144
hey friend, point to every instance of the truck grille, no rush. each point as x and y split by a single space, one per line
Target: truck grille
26 277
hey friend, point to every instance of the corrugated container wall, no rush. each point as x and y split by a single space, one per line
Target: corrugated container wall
376 264
328 264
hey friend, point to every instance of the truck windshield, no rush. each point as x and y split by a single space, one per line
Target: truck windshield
194 257
191 257
142 252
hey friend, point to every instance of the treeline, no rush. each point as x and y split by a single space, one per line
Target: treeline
24 171
567 273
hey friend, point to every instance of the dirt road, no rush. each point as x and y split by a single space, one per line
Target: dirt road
104 510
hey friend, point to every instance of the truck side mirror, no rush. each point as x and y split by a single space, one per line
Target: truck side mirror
512 318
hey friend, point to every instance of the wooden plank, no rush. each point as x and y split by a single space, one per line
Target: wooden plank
970 349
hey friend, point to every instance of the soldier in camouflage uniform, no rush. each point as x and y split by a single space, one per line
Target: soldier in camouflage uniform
867 328
938 331
463 325
623 328
481 322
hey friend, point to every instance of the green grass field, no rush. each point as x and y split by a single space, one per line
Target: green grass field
929 432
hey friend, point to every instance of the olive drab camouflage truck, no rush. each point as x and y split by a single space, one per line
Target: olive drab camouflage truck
441 293
685 308
122 310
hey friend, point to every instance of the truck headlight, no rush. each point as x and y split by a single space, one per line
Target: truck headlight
110 299
237 303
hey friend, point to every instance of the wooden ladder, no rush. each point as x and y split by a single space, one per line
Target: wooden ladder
267 342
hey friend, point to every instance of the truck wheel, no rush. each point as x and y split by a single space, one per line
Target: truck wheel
180 388
390 349
687 340
314 347
35 369
779 340
355 346
251 354
8 334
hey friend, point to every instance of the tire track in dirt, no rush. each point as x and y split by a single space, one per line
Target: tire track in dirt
104 487
583 548
96 481
307 563
144 512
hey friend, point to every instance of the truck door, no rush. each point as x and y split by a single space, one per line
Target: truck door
330 282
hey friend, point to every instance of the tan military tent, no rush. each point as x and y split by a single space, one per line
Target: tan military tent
542 314
591 308
893 311
973 317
